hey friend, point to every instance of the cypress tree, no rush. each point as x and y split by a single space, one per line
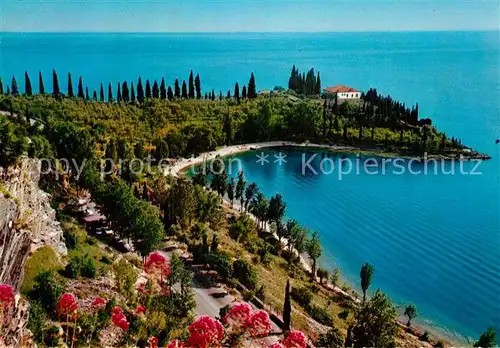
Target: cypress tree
87 93
252 89
15 90
8 91
101 93
70 86
191 85
213 95
184 90
228 96
287 308
244 92
163 90
318 84
27 85
170 94
41 89
140 91
1 86
148 90
197 84
80 88
132 92
55 84
125 93
110 93
177 89
119 93
237 92
94 97
156 90
220 95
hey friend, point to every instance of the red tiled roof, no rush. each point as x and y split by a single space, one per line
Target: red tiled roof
340 89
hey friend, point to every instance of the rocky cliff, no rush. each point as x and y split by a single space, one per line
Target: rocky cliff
27 221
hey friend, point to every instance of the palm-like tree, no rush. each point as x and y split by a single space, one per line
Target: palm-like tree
366 275
250 192
410 313
259 207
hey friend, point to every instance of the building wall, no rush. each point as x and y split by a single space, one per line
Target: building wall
349 95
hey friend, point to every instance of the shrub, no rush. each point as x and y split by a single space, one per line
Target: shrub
344 314
425 336
51 336
440 344
321 315
47 290
81 266
71 240
261 293
37 320
248 295
88 269
44 259
302 296
222 263
126 276
332 339
73 268
245 273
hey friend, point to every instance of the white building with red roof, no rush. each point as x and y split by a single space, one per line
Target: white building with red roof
343 92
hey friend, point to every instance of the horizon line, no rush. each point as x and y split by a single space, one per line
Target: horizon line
254 32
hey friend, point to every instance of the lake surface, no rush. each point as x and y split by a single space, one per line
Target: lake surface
434 240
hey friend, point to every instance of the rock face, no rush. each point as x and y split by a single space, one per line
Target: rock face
27 221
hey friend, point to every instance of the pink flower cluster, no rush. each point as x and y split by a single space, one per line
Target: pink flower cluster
67 305
157 264
119 319
295 339
6 295
205 332
153 342
98 303
241 317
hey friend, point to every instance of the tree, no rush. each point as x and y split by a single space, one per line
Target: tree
332 339
184 90
94 95
163 89
230 190
375 323
110 93
318 85
277 208
410 313
125 92
86 93
335 277
252 90
15 89
228 128
197 84
55 84
287 308
314 251
177 89
240 188
322 274
148 90
132 92
101 93
366 275
27 85
41 89
140 91
260 208
228 96
156 90
170 94
191 85
250 192
237 92
118 93
1 86
488 339
244 92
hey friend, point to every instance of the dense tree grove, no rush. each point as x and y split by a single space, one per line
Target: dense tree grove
302 83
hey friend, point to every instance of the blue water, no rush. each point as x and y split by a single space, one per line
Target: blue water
434 241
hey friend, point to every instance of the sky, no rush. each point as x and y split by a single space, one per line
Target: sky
246 15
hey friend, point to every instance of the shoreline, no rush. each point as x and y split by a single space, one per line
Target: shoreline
180 168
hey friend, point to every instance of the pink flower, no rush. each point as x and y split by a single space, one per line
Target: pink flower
67 305
119 319
98 303
6 294
140 309
157 264
295 339
276 345
238 315
259 324
175 344
153 342
205 332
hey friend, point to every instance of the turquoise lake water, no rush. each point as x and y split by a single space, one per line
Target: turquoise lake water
434 240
